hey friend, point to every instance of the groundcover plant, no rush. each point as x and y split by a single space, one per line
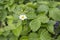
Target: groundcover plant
29 20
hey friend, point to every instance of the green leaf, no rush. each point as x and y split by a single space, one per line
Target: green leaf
58 38
40 30
1 31
54 13
3 38
50 26
33 36
11 9
32 0
43 9
9 2
21 1
29 10
43 18
32 5
10 19
35 25
6 33
16 17
12 37
17 31
52 4
42 0
44 35
10 27
24 38
4 1
19 9
51 29
2 17
26 30
30 13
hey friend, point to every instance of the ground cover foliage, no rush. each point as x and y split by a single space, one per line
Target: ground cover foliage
42 20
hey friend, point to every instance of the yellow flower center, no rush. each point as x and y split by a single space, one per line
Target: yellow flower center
22 16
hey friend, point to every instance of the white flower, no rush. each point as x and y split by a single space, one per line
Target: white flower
22 17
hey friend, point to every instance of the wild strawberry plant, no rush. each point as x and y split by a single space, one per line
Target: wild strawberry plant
29 20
